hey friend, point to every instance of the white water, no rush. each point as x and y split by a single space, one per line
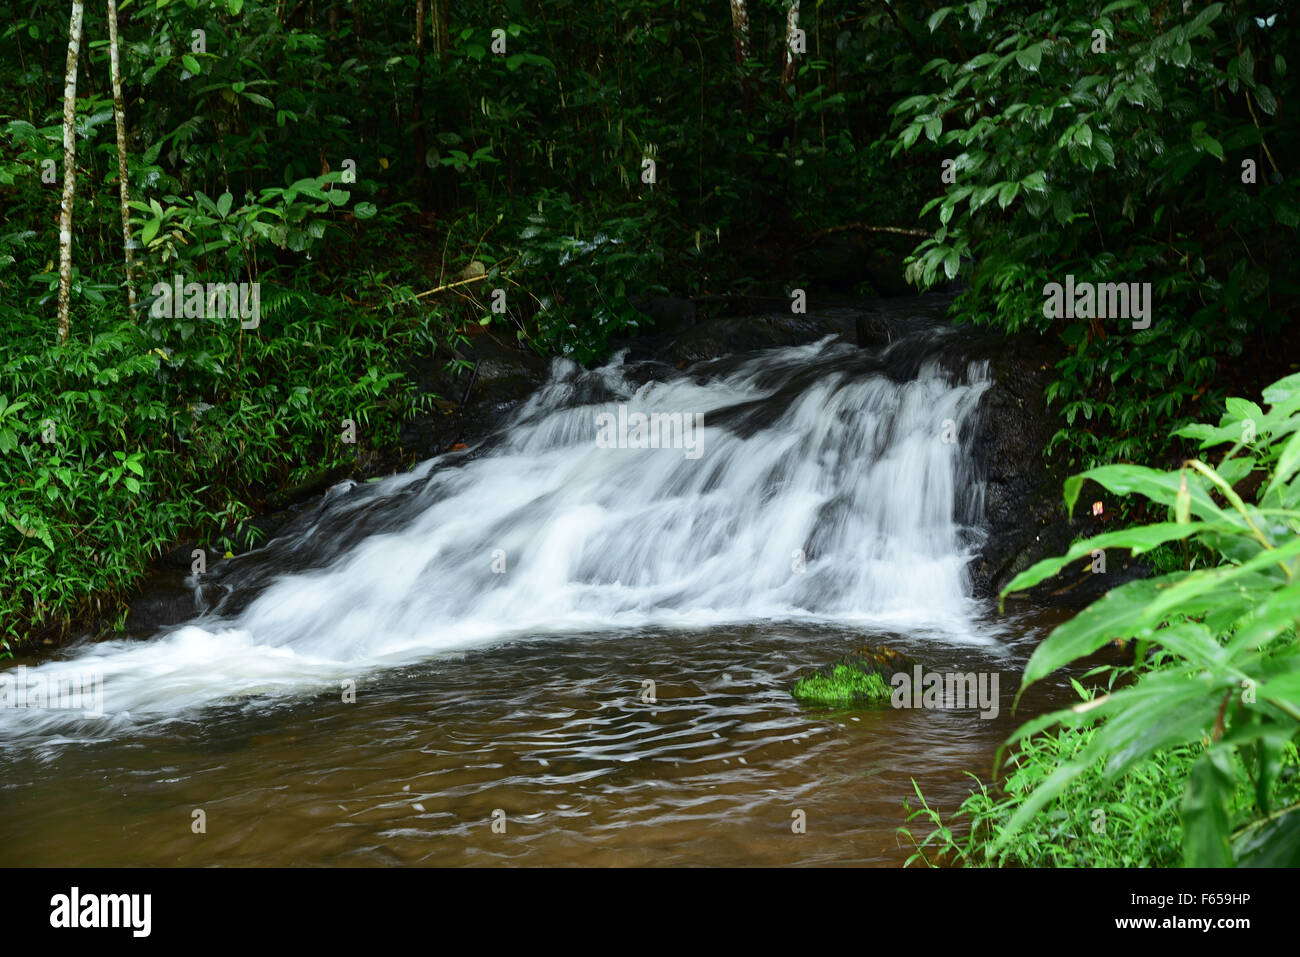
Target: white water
850 470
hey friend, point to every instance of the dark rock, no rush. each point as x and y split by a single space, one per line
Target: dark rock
873 331
471 403
669 314
1024 508
169 598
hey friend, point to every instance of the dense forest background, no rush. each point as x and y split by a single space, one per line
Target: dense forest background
398 177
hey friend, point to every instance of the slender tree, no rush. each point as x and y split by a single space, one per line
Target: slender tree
791 27
740 29
417 110
439 15
69 169
119 119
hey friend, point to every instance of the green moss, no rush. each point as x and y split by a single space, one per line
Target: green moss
844 684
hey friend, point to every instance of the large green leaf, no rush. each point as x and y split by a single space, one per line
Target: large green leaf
1117 614
1161 487
1271 842
1138 539
1206 823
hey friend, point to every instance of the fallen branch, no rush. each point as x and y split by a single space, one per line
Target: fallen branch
450 285
867 228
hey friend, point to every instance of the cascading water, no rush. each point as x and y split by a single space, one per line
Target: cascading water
823 486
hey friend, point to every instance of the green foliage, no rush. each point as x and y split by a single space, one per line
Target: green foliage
1134 821
1217 679
126 438
1115 165
844 685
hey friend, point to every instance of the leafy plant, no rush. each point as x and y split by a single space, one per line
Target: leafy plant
1221 662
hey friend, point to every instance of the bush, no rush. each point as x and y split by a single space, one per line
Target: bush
1214 697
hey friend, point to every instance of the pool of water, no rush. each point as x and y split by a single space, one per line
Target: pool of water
544 751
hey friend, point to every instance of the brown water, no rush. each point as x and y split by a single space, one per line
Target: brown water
552 732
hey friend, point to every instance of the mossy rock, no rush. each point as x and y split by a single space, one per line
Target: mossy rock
861 677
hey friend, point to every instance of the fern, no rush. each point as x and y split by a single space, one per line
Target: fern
278 299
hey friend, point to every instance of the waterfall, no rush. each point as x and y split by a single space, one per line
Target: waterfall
818 482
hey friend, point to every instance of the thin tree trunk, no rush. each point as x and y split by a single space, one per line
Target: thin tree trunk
740 34
740 29
791 25
439 14
418 109
119 120
69 170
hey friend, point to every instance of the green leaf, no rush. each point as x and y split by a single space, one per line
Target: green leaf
1160 487
1139 539
1035 182
937 18
1288 463
365 210
1208 144
191 64
1283 390
1206 823
1117 614
1275 842
1163 710
1030 57
1267 101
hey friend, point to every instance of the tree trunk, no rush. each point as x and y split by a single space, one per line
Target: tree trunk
740 29
791 25
69 170
417 111
119 120
440 38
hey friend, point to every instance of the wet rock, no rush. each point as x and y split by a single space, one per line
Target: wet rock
873 331
1024 508
471 402
860 677
723 327
169 599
